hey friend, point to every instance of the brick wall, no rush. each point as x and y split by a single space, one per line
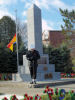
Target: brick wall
56 38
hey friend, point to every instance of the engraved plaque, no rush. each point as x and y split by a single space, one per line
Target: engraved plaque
45 68
48 76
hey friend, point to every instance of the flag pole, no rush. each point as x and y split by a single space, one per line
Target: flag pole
17 41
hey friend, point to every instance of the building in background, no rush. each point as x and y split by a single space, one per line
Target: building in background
55 38
45 38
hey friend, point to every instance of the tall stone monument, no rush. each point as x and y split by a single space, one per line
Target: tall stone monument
34 26
45 71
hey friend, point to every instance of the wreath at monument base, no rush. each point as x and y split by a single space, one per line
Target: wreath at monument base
49 94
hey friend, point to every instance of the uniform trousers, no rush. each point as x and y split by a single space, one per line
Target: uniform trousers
33 72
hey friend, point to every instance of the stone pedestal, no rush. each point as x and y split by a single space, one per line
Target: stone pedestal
17 76
45 71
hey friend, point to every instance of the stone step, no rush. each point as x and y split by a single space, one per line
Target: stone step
41 76
26 77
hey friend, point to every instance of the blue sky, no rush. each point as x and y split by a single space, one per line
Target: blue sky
51 17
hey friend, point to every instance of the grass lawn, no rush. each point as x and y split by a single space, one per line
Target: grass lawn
56 97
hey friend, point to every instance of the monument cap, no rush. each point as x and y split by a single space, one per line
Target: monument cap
32 46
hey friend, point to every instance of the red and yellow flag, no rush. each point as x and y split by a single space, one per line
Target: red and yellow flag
10 45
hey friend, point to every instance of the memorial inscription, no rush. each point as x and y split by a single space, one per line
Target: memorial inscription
48 76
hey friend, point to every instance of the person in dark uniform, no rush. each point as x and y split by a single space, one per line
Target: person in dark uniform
32 56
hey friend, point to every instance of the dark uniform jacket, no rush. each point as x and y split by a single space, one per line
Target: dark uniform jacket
33 56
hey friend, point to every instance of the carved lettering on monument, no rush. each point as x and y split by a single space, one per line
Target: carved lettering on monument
48 76
45 68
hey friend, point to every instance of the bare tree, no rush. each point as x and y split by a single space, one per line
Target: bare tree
22 31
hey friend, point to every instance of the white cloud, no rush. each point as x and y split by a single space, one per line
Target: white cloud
24 13
55 3
4 12
27 5
47 4
39 3
24 21
4 8
7 2
59 4
46 25
42 3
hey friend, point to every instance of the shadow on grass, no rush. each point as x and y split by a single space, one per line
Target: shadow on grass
1 93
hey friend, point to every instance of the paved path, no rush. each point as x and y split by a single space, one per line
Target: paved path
20 88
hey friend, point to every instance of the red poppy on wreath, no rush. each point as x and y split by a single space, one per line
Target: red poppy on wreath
49 92
38 97
35 97
24 99
30 97
47 87
27 98
72 91
5 98
26 95
13 97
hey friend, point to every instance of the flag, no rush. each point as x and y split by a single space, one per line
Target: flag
10 45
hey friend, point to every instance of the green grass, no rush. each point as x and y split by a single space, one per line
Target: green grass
56 97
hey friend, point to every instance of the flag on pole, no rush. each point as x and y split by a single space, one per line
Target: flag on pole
10 45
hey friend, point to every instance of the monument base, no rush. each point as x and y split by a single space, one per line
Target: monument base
16 77
45 71
40 77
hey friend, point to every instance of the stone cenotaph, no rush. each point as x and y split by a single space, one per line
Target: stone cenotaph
45 71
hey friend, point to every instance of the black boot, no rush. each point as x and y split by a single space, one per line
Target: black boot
34 82
31 82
